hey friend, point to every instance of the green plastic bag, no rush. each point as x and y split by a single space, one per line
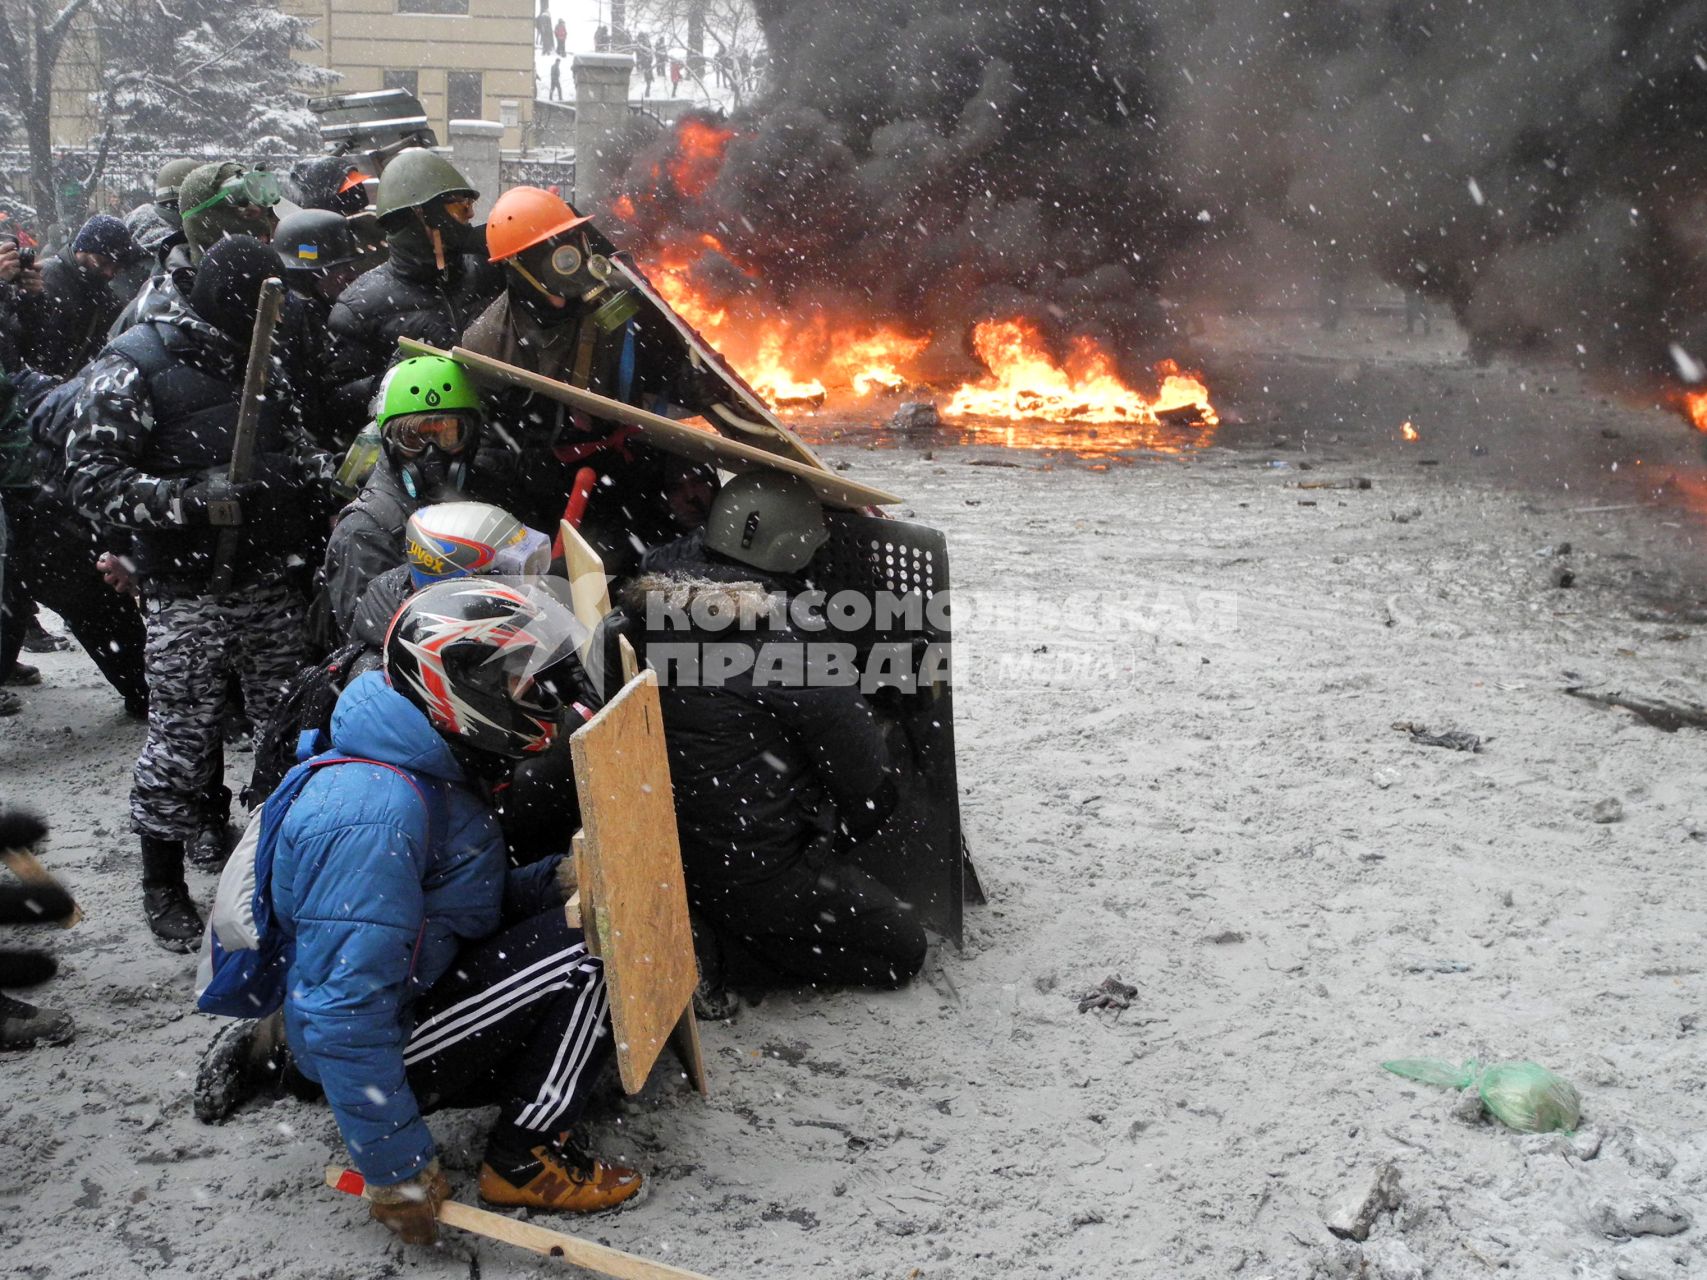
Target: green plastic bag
1521 1095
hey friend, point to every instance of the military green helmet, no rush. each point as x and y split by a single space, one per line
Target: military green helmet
170 178
768 519
426 384
417 176
224 199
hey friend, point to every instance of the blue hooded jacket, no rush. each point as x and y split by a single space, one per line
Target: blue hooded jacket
380 880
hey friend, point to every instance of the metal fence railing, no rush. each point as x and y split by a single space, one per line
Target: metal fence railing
519 171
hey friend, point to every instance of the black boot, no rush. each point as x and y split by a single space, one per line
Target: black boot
243 1059
166 900
212 843
713 1001
23 1026
210 846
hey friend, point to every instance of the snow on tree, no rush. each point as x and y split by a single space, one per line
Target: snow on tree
183 74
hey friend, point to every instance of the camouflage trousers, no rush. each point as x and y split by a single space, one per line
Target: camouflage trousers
192 642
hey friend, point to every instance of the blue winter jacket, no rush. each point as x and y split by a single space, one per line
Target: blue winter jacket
379 892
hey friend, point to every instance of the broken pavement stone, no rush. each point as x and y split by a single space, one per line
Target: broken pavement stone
915 415
1639 1213
1610 809
1452 739
1351 1217
1469 1108
1111 994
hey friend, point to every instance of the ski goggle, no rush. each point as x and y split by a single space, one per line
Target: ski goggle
256 187
450 431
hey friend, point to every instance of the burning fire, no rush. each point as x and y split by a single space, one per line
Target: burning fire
1408 431
794 355
773 353
1695 407
1026 382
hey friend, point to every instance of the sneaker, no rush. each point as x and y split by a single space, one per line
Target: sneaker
557 1175
173 917
20 968
23 1026
23 675
38 639
244 1059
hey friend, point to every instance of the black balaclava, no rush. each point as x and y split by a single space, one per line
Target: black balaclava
228 285
410 236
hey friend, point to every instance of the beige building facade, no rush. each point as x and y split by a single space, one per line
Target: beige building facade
465 59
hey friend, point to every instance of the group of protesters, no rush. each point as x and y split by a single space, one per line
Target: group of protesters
367 608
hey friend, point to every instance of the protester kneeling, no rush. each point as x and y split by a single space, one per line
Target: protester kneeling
423 971
778 778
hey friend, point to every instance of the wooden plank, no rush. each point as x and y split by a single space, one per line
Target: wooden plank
685 1041
630 661
693 443
589 593
28 868
527 1235
631 874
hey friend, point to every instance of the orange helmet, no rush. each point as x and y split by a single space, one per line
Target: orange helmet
524 217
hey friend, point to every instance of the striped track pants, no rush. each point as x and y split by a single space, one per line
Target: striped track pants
522 1020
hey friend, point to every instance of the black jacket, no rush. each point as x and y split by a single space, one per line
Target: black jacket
762 773
66 323
404 297
155 424
367 541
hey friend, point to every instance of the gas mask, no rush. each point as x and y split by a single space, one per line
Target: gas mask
567 269
432 452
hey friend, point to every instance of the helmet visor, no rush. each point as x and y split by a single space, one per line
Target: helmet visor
546 632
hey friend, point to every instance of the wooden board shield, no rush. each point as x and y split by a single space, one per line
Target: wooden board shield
634 901
693 443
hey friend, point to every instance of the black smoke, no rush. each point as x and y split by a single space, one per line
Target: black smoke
1540 167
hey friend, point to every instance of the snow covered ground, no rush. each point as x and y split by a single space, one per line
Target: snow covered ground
1223 816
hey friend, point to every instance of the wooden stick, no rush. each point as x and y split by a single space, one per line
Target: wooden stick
525 1235
678 438
29 869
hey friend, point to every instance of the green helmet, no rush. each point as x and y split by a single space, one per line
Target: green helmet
225 199
426 384
768 519
417 176
170 178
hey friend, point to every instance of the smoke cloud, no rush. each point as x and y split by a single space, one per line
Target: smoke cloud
1540 168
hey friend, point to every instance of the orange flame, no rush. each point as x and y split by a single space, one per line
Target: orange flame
1409 432
1025 382
1695 408
698 156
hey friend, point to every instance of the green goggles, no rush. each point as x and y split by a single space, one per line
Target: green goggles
256 187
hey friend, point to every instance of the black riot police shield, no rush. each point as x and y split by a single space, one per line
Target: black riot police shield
904 646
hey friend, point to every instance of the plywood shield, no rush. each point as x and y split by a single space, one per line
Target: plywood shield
633 896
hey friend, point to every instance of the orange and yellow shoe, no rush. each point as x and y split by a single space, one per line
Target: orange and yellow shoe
556 1175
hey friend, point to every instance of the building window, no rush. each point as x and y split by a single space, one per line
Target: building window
432 6
410 81
466 95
